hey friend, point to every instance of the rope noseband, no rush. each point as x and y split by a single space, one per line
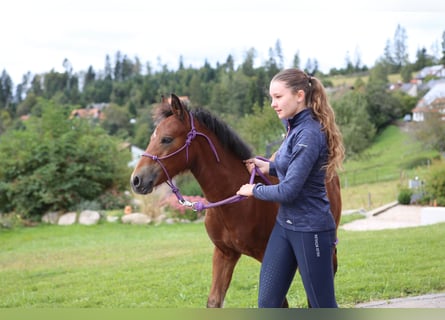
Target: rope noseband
198 206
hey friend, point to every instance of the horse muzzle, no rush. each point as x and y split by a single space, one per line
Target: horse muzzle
142 183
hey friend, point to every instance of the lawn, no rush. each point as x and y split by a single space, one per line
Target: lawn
169 266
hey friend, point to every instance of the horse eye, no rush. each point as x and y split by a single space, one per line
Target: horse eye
166 140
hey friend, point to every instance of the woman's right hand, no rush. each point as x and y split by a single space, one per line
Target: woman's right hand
262 165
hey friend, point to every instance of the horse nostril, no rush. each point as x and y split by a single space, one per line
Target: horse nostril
136 181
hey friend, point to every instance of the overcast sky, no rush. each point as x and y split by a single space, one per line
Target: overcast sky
37 36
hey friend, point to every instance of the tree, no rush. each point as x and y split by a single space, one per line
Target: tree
116 121
400 47
248 64
357 59
5 91
5 121
348 64
296 60
272 66
442 60
388 58
309 67
55 164
261 129
89 78
351 114
279 54
431 132
382 106
422 59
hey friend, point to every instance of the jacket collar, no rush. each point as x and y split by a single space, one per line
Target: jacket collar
299 117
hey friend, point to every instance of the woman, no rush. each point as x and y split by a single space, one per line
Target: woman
304 235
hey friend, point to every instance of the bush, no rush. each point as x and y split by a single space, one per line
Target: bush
187 183
55 163
435 183
179 211
416 162
405 196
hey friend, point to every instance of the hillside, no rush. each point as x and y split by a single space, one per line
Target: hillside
375 178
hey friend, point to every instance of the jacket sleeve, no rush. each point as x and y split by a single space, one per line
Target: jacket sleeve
305 150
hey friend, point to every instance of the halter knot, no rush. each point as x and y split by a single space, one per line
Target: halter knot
190 136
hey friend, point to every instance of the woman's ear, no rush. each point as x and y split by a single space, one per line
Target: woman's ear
301 96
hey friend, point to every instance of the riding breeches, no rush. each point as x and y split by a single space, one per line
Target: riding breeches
311 253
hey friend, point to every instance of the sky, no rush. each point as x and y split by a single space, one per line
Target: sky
37 36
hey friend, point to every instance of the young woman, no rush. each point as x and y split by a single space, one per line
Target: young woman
304 235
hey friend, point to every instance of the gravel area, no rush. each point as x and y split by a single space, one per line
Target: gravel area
395 216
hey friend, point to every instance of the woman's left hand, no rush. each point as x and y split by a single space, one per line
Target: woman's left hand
246 190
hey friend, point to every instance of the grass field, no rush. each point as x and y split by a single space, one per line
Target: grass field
128 266
376 177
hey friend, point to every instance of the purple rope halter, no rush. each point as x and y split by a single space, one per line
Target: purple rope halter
199 206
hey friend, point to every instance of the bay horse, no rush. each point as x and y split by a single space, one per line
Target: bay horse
197 141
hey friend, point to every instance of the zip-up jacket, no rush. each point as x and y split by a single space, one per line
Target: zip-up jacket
301 190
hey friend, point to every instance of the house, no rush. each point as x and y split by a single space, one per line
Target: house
437 71
93 111
432 102
135 156
410 88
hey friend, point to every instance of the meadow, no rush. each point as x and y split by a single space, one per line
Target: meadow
169 266
376 177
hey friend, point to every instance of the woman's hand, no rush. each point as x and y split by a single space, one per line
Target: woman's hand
263 166
246 190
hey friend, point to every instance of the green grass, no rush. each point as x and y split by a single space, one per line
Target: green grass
375 178
128 266
393 155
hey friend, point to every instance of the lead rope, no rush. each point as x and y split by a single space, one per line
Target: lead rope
200 206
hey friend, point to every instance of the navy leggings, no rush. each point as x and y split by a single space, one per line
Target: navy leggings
312 253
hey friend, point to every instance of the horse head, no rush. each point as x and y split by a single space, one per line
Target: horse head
167 152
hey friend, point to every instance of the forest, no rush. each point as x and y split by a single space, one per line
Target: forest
236 92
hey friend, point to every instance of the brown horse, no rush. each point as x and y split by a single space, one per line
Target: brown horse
197 141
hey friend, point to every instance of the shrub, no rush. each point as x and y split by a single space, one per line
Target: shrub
179 211
404 196
55 163
435 183
416 162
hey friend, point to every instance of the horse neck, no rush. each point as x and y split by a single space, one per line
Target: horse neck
218 179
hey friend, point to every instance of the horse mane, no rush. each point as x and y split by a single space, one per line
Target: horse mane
229 139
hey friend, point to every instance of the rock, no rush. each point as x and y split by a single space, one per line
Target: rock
67 219
51 217
89 217
136 218
112 218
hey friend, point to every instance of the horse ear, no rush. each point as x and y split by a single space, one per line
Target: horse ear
177 107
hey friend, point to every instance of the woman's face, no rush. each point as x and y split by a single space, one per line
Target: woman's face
285 102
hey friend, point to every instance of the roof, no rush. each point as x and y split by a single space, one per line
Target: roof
92 113
438 91
437 70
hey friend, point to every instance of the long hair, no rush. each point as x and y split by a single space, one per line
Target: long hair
316 99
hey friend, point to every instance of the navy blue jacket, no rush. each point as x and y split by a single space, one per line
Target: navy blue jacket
298 163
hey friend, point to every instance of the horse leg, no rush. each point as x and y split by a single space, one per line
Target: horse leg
223 266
